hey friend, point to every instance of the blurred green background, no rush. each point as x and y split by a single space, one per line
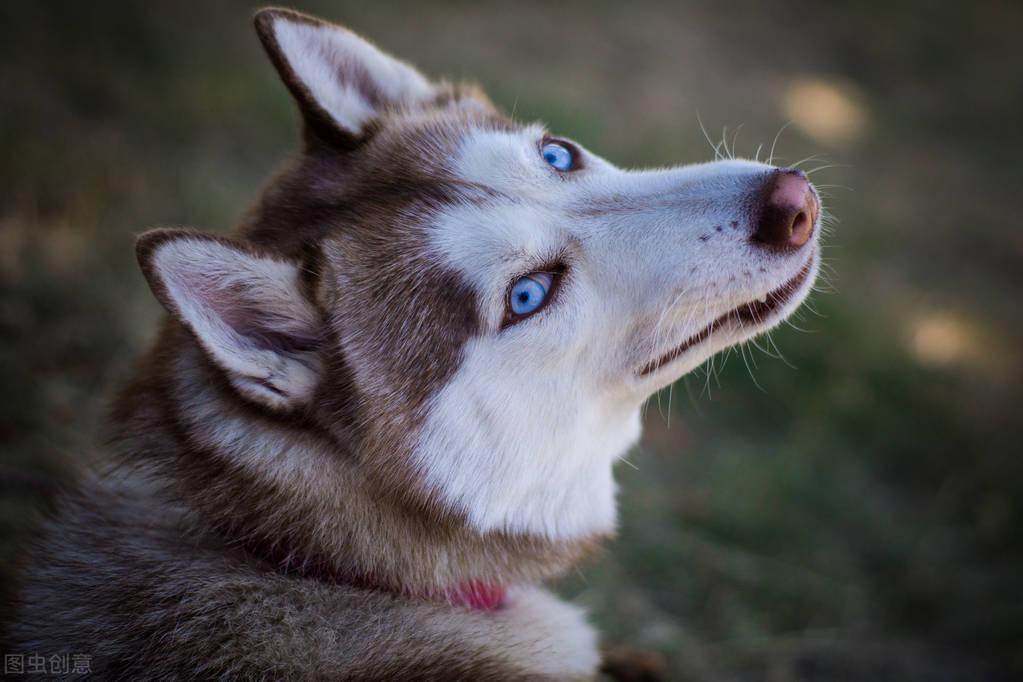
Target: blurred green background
851 513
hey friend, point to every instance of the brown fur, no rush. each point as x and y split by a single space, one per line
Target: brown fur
190 557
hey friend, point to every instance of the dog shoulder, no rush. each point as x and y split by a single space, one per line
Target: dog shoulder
130 584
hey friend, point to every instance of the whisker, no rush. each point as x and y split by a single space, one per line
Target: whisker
742 351
815 157
780 356
770 156
792 324
671 389
825 167
706 135
735 138
692 398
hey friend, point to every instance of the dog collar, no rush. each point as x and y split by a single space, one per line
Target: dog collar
476 595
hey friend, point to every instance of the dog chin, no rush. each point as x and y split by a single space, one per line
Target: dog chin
735 326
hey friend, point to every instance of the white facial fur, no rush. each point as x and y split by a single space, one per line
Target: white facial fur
524 436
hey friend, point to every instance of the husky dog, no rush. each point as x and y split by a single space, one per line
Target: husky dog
386 408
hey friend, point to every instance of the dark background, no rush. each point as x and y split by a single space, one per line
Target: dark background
856 516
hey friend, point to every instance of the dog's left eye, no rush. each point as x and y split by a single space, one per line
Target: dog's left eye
559 156
529 293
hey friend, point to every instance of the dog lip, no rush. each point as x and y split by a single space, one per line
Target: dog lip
755 312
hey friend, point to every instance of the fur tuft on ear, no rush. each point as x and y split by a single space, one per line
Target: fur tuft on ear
338 78
247 311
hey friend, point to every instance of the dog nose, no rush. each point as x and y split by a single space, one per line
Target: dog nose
788 212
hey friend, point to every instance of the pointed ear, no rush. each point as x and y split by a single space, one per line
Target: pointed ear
339 79
248 312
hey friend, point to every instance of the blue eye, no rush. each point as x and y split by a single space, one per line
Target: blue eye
529 293
559 156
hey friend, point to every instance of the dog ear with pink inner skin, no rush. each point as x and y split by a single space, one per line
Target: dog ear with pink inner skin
340 81
248 312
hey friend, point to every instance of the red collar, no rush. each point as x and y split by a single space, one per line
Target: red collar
477 595
471 594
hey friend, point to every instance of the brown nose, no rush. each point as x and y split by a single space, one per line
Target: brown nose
789 210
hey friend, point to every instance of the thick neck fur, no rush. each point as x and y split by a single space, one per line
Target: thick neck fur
288 492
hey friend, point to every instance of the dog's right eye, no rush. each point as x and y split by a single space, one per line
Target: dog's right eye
559 156
528 295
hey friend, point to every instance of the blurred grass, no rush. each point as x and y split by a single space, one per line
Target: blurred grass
856 516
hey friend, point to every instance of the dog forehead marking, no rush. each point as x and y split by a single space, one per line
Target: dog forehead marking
505 159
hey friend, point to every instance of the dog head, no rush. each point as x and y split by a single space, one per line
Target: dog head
479 307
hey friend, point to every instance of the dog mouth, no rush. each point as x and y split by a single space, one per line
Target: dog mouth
754 313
